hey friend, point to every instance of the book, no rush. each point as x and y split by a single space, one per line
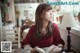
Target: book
51 49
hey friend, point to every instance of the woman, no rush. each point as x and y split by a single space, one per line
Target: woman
44 33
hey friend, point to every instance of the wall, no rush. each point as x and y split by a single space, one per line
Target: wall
11 10
75 40
27 10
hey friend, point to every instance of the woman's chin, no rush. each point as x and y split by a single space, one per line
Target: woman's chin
50 20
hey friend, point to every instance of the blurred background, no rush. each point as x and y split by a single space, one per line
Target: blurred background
17 16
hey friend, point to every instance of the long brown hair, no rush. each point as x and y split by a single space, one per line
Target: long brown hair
38 21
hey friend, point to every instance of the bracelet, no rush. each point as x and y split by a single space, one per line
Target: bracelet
60 46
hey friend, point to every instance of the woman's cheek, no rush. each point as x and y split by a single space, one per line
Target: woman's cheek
50 18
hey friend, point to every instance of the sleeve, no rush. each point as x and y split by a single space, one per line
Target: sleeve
56 36
27 39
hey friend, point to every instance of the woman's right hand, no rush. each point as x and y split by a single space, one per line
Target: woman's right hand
33 50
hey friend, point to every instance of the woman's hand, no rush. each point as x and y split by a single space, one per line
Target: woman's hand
33 50
60 45
40 50
37 50
57 49
50 49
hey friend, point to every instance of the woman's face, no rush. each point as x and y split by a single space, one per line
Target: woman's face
47 15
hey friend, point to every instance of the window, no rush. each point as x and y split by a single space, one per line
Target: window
74 9
59 10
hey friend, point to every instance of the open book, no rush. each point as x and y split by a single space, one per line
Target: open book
51 49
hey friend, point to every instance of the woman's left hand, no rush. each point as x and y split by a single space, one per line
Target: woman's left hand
57 49
33 50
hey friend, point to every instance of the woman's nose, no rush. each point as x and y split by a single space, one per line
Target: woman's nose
50 13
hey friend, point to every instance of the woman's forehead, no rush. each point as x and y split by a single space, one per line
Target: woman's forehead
48 8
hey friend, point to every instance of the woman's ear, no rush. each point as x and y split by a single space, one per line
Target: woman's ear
42 14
